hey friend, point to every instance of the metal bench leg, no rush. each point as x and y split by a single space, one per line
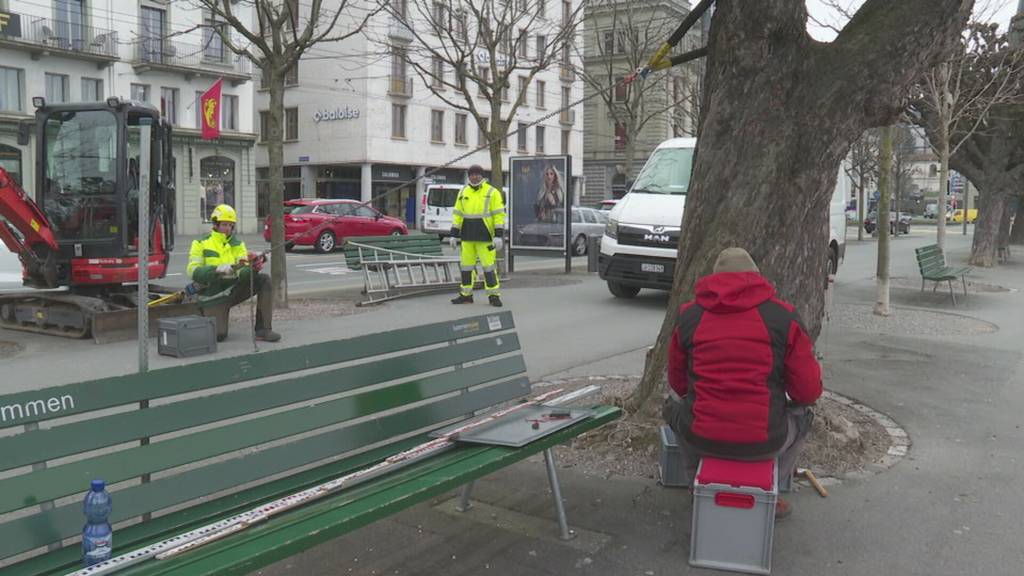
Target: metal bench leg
556 492
464 503
935 286
952 294
922 284
964 280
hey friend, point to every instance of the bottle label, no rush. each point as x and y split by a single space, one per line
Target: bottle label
99 548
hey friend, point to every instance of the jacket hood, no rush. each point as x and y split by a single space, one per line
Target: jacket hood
729 292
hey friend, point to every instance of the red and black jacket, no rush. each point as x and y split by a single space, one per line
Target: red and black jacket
735 354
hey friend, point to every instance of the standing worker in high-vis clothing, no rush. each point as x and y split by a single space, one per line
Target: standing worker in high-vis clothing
479 222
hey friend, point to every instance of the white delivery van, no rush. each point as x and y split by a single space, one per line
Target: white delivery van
639 245
438 205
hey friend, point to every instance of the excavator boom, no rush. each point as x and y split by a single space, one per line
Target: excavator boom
27 232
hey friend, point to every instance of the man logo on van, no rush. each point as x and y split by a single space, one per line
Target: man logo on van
657 237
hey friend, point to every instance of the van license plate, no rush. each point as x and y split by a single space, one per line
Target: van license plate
657 268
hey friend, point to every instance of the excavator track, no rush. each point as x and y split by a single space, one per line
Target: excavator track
75 316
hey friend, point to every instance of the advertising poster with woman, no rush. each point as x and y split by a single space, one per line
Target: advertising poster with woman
539 200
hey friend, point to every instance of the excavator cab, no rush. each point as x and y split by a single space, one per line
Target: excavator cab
88 171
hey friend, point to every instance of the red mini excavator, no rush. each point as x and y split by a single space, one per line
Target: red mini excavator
78 241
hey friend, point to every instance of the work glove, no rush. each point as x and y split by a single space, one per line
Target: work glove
453 241
499 243
225 270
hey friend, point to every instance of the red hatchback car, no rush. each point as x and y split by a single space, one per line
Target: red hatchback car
324 224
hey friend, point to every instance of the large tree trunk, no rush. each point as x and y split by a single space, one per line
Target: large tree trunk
498 137
986 232
1009 211
940 235
275 153
862 191
780 112
885 187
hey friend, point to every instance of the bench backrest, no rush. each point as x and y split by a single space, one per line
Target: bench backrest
423 244
214 426
930 258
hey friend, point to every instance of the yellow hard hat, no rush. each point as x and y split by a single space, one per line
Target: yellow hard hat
224 213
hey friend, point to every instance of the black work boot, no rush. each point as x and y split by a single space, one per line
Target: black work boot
495 300
267 335
463 299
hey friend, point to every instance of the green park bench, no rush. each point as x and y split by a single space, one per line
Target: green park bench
185 446
931 262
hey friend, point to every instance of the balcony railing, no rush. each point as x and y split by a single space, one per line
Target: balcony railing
46 35
212 60
399 30
566 73
400 86
567 117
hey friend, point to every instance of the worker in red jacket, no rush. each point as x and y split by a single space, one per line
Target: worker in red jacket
736 353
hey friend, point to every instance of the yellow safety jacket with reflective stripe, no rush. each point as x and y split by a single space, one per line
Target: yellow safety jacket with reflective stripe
211 251
483 205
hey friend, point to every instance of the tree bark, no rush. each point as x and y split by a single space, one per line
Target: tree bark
275 153
885 188
940 234
780 111
986 232
1009 210
860 206
1017 229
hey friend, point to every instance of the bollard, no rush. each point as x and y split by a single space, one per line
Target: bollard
593 250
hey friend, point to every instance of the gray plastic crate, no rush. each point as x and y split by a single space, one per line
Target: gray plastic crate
726 537
186 336
671 465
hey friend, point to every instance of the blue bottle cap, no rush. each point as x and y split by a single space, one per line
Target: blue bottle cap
98 485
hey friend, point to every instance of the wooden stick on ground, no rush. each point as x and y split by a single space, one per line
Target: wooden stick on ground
806 473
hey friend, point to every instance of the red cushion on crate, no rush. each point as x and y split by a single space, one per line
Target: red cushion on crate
736 473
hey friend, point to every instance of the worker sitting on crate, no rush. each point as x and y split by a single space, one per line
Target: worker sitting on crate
736 352
220 264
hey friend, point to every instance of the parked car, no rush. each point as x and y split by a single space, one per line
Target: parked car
438 206
325 224
957 216
931 210
586 223
871 220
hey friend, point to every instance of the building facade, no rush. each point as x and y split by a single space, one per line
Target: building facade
620 36
360 123
146 50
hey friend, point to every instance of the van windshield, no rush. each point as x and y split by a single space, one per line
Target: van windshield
666 172
443 197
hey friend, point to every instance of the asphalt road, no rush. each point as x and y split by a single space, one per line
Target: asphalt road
308 272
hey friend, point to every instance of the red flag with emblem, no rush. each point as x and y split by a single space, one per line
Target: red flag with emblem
209 111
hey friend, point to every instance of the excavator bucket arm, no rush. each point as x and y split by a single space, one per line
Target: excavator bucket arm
27 232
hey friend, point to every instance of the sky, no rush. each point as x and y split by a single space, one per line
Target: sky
999 11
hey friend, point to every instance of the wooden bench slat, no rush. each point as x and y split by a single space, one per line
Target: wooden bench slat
322 521
59 481
133 388
47 444
22 535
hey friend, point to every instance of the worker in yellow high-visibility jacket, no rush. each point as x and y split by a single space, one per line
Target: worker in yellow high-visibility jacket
479 223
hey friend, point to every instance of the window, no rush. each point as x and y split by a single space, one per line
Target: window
542 7
542 46
609 41
521 43
213 44
576 219
565 141
57 89
539 141
566 11
169 105
264 125
140 92
291 78
400 8
621 89
460 128
504 132
461 26
566 92
293 12
541 86
197 108
481 136
440 14
437 73
154 25
437 126
92 90
521 5
565 55
398 120
10 160
398 67
12 81
588 216
521 137
504 91
933 171
69 25
524 87
229 112
621 138
291 123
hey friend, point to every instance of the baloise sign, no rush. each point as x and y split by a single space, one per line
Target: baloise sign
327 114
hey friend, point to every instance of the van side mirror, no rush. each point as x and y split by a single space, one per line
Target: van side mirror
24 132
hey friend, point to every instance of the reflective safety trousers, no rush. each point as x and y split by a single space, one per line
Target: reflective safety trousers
467 264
